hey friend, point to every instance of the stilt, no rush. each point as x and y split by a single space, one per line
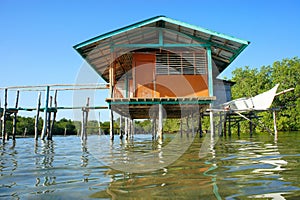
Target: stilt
25 132
225 125
239 128
211 118
111 131
85 115
65 132
44 132
54 116
229 125
187 125
160 122
15 116
133 128
251 128
49 120
99 124
36 124
192 118
181 126
126 128
4 116
200 125
275 127
120 128
153 128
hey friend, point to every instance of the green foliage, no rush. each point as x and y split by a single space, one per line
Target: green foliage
250 82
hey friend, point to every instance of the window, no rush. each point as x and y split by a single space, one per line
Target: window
193 63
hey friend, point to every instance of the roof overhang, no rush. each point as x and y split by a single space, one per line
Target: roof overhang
159 32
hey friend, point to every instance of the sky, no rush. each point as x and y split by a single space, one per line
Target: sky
37 37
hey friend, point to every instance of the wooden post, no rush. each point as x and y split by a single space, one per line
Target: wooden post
120 126
44 132
211 118
133 128
187 125
65 132
225 123
251 128
239 128
36 124
85 114
126 128
15 117
275 127
200 125
4 116
83 124
229 125
160 122
54 115
25 131
49 137
99 124
181 125
111 130
192 118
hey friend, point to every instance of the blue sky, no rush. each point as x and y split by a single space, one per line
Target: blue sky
37 37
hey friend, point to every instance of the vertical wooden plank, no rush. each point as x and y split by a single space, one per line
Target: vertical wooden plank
211 120
4 116
200 125
36 124
160 122
120 126
54 115
44 132
275 126
126 128
210 72
49 137
99 124
15 116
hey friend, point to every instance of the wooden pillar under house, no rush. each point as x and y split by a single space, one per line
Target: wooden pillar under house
192 123
239 128
275 126
229 125
36 123
200 125
120 126
4 116
220 124
85 115
160 122
181 126
225 125
187 125
99 124
15 116
126 127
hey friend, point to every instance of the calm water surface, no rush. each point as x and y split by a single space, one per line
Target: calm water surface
232 168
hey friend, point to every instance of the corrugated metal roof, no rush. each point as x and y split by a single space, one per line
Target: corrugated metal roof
98 50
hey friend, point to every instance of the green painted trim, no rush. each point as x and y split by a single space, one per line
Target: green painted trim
227 37
155 19
238 53
210 73
200 102
158 45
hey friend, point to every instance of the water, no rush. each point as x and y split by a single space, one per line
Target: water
226 168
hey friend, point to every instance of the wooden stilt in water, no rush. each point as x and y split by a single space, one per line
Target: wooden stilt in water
15 117
99 124
200 125
44 132
275 127
132 128
65 132
251 128
25 132
192 118
225 125
85 114
211 119
121 130
4 116
111 130
160 122
181 126
239 128
229 125
36 124
49 137
54 116
187 125
126 128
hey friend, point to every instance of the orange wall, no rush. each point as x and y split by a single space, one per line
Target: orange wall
148 85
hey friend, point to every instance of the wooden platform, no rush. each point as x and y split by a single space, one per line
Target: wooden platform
144 108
